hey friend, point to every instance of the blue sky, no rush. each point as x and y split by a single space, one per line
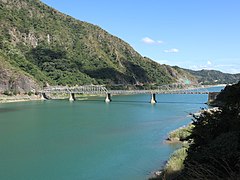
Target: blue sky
194 34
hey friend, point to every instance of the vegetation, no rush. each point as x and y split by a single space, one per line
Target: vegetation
215 151
175 164
229 97
181 134
216 148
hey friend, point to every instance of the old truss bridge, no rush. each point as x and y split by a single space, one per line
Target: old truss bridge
102 90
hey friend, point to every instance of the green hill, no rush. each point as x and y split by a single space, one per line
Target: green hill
55 48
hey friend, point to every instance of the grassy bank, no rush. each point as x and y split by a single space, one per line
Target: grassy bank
176 161
215 149
174 164
181 134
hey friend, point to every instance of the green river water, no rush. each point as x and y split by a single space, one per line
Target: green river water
90 139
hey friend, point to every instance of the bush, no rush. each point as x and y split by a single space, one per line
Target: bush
7 92
30 93
15 92
181 134
215 153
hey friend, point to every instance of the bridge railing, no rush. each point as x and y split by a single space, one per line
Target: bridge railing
99 89
89 89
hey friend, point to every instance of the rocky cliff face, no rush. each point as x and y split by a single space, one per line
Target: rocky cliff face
15 80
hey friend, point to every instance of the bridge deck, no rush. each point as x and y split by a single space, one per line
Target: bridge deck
98 90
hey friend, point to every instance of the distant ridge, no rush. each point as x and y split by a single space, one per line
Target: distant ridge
214 77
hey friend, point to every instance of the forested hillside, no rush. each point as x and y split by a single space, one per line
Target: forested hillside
55 48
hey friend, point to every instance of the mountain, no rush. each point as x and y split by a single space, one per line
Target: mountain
48 46
214 77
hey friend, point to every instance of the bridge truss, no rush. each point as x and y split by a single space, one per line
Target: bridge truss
88 89
99 90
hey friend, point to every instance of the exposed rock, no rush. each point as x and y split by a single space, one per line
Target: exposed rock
15 80
26 38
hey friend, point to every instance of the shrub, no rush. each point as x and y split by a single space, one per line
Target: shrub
181 134
7 92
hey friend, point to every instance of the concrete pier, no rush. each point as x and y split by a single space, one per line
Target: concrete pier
101 90
72 97
108 98
153 99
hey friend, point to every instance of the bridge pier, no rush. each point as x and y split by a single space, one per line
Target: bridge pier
153 98
108 98
72 97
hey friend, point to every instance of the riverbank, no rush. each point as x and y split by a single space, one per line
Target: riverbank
175 163
23 98
18 98
180 135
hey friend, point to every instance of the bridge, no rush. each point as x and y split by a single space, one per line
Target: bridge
102 90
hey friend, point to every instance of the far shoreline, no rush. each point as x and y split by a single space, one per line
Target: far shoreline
18 98
25 98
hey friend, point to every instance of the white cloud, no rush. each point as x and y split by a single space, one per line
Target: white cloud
226 68
148 40
160 42
207 66
173 50
229 68
200 67
223 65
233 70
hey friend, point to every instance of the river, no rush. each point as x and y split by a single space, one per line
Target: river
90 139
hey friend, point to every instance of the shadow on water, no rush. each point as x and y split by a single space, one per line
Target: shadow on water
177 102
143 102
115 101
3 110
